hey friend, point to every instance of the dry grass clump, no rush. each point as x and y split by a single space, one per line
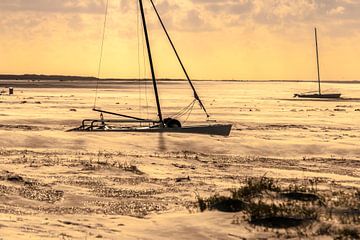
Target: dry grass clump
221 203
265 203
348 233
306 191
106 161
345 232
254 187
282 215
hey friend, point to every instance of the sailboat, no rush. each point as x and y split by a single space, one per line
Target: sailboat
317 94
161 124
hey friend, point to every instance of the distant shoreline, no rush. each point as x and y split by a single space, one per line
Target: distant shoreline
65 78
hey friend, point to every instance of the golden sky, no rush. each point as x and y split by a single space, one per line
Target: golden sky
217 39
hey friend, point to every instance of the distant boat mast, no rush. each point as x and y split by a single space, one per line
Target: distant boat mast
319 94
317 60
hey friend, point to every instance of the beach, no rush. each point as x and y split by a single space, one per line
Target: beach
56 184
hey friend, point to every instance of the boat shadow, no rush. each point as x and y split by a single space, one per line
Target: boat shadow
343 99
162 142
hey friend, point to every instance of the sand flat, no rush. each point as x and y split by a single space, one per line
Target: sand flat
67 185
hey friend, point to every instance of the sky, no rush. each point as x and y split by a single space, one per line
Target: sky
216 39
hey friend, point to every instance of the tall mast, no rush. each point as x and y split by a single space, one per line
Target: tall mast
196 96
317 60
151 61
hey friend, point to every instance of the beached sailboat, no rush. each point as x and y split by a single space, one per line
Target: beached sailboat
161 124
317 94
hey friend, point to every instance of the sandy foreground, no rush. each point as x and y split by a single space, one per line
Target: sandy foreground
66 185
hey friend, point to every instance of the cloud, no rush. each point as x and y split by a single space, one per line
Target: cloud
193 21
54 6
337 11
338 17
202 15
44 18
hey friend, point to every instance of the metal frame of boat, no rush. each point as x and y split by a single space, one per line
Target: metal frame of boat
102 125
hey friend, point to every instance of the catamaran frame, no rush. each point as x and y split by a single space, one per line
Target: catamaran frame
161 124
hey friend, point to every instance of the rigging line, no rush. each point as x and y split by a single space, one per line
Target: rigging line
188 107
188 110
183 111
138 53
145 73
196 96
101 52
191 109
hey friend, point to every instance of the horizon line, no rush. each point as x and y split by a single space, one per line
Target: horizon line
31 76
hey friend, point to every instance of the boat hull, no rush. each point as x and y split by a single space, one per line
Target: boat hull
216 129
316 95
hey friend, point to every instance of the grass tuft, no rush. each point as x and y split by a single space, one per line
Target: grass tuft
221 203
280 215
264 203
255 186
348 233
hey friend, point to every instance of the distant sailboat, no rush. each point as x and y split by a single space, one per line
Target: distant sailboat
154 125
317 94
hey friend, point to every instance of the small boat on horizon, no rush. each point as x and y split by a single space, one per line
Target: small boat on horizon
319 93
